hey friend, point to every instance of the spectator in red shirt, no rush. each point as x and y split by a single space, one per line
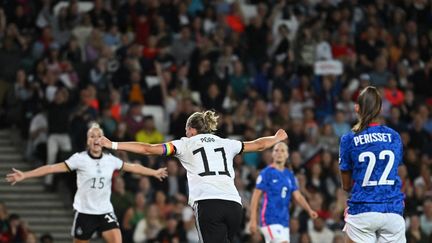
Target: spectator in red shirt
235 20
392 93
142 29
17 232
342 49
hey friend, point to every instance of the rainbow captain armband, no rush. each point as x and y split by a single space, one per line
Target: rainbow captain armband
168 149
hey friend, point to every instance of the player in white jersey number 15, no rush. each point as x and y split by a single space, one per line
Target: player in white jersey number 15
208 160
93 209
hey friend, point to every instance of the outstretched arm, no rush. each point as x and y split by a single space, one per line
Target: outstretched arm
263 143
139 169
135 147
298 197
256 196
17 175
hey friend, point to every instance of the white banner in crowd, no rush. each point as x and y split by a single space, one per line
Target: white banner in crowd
327 67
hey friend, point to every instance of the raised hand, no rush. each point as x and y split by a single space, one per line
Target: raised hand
281 135
15 176
161 173
104 142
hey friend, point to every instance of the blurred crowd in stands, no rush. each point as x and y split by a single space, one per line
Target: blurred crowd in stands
141 67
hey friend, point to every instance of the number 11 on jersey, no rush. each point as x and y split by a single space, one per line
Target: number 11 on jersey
207 171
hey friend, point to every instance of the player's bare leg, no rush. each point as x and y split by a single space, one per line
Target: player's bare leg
112 236
348 240
80 241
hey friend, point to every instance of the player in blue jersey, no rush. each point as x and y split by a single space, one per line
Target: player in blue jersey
368 160
277 184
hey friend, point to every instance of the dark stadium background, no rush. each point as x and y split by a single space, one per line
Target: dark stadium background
141 67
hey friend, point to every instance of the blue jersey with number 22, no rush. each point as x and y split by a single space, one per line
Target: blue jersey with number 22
373 156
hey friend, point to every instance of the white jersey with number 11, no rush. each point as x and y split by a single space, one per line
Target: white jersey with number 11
208 160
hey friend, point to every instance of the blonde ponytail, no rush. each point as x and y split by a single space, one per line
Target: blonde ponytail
210 121
203 122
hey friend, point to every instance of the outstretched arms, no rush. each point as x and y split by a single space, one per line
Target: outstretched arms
139 169
139 148
265 142
17 175
135 147
158 149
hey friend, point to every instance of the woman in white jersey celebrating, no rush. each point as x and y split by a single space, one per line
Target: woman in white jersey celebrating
208 160
94 211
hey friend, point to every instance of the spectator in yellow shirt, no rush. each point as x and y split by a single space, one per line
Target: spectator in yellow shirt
149 133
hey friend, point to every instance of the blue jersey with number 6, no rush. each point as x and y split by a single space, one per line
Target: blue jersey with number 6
277 187
373 156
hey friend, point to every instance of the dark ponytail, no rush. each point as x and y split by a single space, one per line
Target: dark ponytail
369 102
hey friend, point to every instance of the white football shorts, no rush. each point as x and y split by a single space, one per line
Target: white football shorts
275 233
375 227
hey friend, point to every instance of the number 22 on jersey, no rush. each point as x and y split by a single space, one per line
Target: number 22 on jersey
386 155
